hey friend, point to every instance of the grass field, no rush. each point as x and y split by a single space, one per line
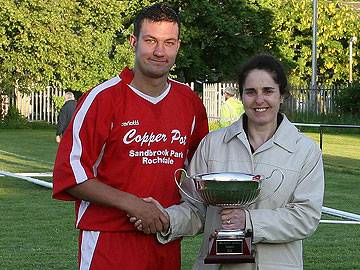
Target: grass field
37 232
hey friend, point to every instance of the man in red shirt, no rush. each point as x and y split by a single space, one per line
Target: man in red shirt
127 137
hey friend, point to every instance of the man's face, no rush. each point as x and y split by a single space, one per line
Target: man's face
156 48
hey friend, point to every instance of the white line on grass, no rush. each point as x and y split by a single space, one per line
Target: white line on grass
26 158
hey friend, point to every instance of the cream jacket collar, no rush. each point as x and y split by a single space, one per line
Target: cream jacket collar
285 136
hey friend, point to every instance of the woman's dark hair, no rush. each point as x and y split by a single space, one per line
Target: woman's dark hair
156 13
268 63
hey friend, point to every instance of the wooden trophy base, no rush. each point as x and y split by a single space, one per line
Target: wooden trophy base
230 247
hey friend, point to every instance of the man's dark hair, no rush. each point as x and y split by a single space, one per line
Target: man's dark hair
268 63
156 13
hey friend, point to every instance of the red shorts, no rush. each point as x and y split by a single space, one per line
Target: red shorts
126 251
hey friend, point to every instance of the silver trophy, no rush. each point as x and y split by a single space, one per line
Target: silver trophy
232 190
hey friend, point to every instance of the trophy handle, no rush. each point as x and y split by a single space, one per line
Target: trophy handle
179 185
277 188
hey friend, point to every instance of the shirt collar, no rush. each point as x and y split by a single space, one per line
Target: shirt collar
126 75
285 136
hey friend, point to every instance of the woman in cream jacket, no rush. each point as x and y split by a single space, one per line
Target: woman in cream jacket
261 141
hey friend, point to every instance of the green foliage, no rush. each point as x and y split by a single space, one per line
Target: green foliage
78 44
6 86
59 102
217 36
70 44
41 125
14 119
292 27
348 100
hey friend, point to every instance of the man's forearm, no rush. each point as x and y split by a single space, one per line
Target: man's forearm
99 193
94 191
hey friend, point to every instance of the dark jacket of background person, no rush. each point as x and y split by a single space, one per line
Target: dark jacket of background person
65 115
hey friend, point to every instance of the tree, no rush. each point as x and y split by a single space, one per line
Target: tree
69 44
348 100
78 44
217 36
292 27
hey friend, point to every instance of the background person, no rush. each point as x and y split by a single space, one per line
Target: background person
232 108
128 136
261 141
66 112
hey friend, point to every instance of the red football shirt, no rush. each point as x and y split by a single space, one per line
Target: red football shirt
131 142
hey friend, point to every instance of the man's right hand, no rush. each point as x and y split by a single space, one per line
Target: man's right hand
149 216
138 223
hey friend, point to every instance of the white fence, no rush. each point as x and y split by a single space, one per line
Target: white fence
318 101
42 106
300 99
39 106
213 97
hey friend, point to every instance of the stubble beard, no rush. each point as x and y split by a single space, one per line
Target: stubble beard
152 71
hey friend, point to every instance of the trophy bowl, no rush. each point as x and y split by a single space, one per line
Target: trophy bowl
227 188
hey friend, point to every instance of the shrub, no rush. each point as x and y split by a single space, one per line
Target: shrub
14 119
348 100
41 125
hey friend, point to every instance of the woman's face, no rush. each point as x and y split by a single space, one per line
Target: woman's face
261 98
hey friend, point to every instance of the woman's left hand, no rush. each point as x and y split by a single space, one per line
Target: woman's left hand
233 218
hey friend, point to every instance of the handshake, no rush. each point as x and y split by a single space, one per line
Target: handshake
149 216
